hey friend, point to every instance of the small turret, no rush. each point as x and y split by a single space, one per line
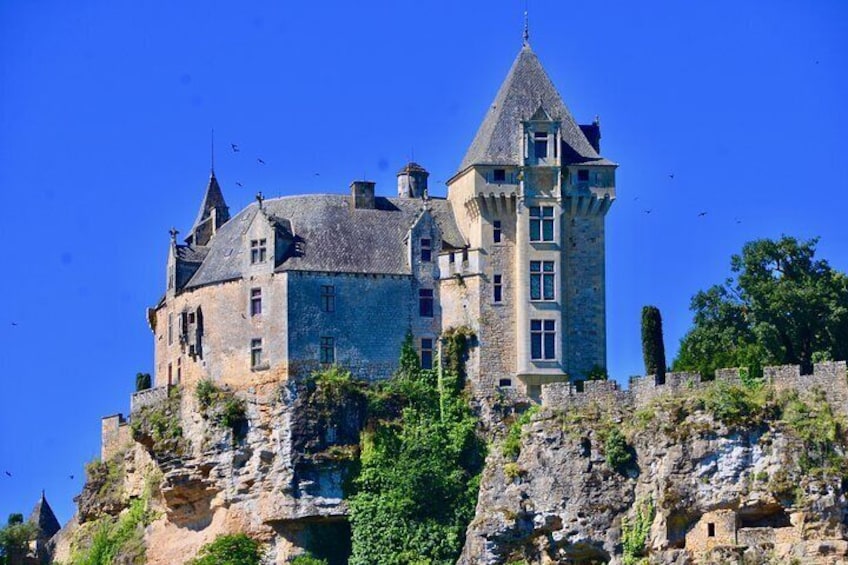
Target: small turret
212 215
412 181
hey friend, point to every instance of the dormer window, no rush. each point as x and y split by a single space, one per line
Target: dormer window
540 145
258 251
499 175
426 250
582 175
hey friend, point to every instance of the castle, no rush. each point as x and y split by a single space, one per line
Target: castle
515 252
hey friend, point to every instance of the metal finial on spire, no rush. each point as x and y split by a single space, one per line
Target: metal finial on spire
173 232
526 23
260 198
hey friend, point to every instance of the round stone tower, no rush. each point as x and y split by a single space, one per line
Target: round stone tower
412 181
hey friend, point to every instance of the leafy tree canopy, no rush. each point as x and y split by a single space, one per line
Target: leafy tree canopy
233 549
15 537
783 306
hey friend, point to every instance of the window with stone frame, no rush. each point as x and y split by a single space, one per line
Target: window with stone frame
542 278
426 250
543 340
327 352
540 145
497 288
170 328
255 353
496 231
499 175
258 250
541 223
425 302
255 301
328 298
426 353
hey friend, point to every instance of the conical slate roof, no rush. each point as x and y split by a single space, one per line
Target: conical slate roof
43 517
212 200
526 90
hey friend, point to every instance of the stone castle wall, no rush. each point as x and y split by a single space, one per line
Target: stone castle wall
831 378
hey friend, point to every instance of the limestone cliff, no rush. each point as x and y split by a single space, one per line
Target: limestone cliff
724 472
723 475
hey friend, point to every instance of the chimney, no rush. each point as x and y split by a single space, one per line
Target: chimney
362 195
593 134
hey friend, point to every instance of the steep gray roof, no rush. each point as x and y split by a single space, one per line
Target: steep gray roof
526 88
43 517
331 236
213 199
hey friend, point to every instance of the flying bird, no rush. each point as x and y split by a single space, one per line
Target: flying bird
235 147
702 214
260 161
317 174
71 477
647 211
239 184
671 176
14 323
8 474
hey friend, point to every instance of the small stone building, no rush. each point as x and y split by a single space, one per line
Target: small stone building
515 252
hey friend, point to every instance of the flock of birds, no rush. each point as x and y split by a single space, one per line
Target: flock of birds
259 160
701 214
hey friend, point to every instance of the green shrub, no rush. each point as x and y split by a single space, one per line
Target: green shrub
116 539
142 381
635 533
220 406
234 549
616 451
308 560
512 471
511 447
597 373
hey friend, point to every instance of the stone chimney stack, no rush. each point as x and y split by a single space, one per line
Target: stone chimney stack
412 181
362 195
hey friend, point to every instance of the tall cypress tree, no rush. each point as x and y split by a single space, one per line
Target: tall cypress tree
653 349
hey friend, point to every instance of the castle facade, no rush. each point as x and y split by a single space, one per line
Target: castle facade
515 252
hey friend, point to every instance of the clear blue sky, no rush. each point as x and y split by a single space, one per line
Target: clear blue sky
106 109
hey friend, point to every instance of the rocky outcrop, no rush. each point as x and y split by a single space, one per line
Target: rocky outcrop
702 490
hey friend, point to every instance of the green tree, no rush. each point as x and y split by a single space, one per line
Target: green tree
417 486
142 381
784 306
653 348
15 538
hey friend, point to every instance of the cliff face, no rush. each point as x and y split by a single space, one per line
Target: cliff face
690 486
719 473
272 467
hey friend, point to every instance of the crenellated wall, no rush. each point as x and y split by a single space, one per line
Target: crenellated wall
831 378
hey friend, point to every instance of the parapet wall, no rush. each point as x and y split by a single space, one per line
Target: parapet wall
147 397
831 378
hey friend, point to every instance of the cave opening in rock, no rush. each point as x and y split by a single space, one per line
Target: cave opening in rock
772 516
328 540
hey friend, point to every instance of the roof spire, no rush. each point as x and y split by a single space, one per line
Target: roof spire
526 23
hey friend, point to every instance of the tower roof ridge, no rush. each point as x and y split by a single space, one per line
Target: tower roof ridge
213 199
527 87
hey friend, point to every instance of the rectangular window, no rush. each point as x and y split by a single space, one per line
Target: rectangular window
255 353
710 529
499 175
170 375
328 351
258 251
465 255
170 328
541 223
426 353
255 301
542 277
497 288
451 258
496 231
540 145
543 339
179 369
191 317
328 298
583 175
425 302
426 251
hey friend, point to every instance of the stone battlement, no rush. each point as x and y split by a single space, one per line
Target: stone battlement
831 378
147 396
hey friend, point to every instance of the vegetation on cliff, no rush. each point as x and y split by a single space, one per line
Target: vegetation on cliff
233 549
784 306
417 487
157 426
114 539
